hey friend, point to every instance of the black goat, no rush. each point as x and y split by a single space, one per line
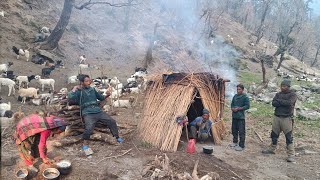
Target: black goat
47 71
15 50
137 69
37 59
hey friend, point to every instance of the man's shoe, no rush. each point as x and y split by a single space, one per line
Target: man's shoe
233 145
238 148
290 159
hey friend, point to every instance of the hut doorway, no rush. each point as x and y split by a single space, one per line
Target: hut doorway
194 111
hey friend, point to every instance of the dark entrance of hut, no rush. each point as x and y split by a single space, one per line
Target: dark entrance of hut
194 111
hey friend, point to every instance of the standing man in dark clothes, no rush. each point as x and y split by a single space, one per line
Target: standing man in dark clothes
284 103
91 112
240 103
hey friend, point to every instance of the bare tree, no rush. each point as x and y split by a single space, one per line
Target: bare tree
266 4
55 36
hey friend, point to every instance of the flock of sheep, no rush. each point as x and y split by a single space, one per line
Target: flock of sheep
304 77
135 84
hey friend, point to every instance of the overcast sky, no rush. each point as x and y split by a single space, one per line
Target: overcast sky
316 6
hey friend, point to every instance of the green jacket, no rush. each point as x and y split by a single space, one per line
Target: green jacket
241 101
87 99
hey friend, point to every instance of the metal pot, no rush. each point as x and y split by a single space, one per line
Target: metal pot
207 149
64 167
51 174
22 174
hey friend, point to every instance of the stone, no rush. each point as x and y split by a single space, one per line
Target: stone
296 87
252 110
308 152
308 114
47 54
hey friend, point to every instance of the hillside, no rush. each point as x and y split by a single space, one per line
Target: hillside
100 34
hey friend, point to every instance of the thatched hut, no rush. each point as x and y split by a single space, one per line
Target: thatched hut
170 95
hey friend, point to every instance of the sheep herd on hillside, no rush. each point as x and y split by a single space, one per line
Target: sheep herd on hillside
135 84
305 76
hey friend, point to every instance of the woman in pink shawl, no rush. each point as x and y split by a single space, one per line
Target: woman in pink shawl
31 135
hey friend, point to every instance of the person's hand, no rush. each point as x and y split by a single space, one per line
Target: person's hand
199 124
76 88
233 109
108 93
48 161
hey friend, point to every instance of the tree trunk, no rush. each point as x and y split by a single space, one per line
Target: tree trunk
260 29
55 36
127 17
263 72
281 60
149 58
316 57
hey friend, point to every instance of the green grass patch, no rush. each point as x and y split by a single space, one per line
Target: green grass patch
247 78
263 110
309 123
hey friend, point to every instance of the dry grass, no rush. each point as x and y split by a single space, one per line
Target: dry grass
165 101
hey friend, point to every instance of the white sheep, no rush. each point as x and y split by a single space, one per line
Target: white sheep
24 53
72 80
24 79
42 82
83 66
63 91
131 79
2 13
5 67
114 81
45 30
5 106
82 59
29 92
8 82
134 90
123 103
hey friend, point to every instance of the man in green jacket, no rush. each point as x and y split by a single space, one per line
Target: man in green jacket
284 103
240 103
86 96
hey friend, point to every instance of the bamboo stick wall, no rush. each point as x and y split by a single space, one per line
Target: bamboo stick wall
164 102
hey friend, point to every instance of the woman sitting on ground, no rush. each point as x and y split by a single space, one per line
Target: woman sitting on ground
31 136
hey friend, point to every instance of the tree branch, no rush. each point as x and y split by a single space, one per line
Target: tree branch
89 4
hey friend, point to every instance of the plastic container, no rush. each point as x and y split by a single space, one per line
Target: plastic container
191 147
88 151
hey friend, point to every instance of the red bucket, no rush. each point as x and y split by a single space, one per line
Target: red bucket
191 148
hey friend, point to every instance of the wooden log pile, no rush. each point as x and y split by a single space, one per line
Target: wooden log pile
75 123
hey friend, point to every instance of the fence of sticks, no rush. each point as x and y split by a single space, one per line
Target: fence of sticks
168 96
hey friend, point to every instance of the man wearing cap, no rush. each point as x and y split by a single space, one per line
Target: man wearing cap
284 103
201 126
240 103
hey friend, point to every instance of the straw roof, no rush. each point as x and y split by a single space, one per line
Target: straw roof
170 95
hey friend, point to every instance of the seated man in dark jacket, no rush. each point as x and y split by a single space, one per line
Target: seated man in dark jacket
90 110
284 103
201 126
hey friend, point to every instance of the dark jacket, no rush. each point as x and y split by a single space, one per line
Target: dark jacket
284 103
241 101
87 100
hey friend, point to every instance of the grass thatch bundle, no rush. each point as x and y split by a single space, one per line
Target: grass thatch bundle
169 96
